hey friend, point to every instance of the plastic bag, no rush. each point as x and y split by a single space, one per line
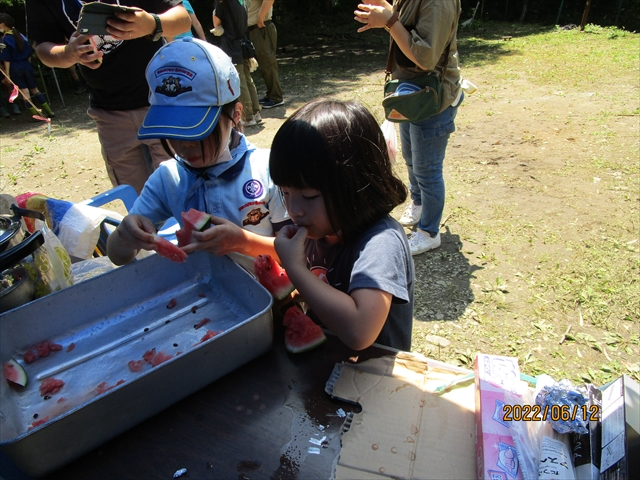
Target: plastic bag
59 258
77 226
50 265
91 268
566 400
526 436
253 65
389 131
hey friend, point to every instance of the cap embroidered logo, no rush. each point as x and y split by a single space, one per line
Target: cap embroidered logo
171 87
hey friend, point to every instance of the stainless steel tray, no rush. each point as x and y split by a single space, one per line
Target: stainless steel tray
110 320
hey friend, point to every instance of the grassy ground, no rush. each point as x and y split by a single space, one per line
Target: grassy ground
552 245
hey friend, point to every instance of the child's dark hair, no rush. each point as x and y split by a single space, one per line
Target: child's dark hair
338 148
9 22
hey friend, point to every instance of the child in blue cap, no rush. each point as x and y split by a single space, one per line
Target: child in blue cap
195 110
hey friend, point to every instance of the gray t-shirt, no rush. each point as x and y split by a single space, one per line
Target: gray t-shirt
379 259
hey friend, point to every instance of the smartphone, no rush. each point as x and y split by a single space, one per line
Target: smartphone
94 16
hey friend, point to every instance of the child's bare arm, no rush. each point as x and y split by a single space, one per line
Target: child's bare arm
134 233
356 319
225 237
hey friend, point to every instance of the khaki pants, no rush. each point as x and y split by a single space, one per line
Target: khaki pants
265 40
128 160
248 92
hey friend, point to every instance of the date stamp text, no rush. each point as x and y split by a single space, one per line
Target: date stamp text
554 413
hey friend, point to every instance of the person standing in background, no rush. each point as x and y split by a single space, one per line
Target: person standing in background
230 24
263 34
113 67
195 24
16 65
423 32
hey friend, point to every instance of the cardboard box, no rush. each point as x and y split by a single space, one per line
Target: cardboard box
405 431
496 454
620 454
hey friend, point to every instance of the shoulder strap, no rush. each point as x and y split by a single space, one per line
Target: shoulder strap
391 56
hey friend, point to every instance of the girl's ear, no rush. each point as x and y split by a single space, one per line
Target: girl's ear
237 113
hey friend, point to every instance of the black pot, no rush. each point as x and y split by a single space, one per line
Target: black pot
12 229
22 288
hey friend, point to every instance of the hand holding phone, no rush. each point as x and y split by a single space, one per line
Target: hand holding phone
83 50
94 16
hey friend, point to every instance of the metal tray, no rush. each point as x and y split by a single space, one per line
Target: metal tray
110 320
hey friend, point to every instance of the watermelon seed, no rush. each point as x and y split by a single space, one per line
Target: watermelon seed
146 329
47 397
175 344
167 321
35 415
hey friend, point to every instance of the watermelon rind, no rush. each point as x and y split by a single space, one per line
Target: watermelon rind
192 220
200 220
272 277
283 291
301 334
14 373
307 347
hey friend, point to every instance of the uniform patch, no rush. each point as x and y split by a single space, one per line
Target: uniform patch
252 189
254 217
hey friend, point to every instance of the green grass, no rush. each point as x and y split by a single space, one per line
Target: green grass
557 287
598 56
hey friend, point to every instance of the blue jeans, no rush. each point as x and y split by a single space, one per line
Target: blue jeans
424 145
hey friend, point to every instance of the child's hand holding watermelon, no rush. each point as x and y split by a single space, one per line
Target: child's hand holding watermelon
136 233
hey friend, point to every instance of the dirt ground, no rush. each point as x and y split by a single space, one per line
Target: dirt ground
522 197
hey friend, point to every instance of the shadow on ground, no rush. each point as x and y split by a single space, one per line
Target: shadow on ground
444 275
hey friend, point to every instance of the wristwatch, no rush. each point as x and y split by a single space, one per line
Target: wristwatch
157 35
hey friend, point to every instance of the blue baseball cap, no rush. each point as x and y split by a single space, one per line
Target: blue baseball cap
189 81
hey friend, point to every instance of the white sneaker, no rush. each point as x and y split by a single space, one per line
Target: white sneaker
251 123
411 215
420 242
258 118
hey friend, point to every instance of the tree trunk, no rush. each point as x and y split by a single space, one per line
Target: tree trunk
585 14
525 3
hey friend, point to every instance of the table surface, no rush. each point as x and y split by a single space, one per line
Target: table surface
269 419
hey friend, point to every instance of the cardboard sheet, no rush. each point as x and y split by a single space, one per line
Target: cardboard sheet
404 430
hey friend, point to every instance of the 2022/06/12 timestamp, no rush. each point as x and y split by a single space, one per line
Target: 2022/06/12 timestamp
555 413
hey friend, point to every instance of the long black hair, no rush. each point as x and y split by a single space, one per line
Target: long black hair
338 148
8 21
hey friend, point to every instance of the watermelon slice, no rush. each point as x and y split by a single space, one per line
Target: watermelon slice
14 373
51 385
301 332
192 220
272 276
167 249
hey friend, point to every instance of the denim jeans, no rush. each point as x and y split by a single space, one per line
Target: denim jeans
424 145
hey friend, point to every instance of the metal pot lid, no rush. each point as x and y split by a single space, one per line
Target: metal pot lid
15 254
9 226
